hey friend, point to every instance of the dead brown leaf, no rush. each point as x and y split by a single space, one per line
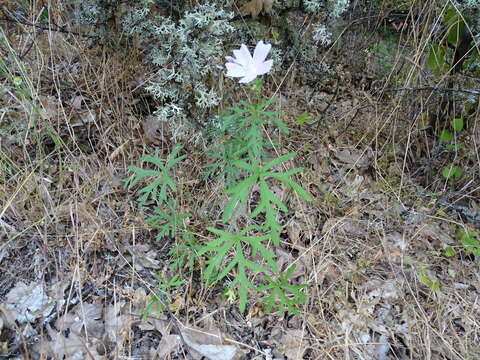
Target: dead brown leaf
26 303
151 125
162 325
84 316
436 235
168 344
345 226
144 257
62 347
254 7
267 6
354 157
294 345
208 344
117 325
49 107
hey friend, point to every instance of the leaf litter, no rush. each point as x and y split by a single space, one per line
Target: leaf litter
361 250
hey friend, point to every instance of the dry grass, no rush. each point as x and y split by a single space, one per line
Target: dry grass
77 122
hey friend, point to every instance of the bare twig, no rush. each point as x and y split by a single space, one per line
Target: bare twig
433 88
20 20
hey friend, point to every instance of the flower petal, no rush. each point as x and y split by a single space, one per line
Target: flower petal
261 52
245 66
231 59
264 67
248 78
235 70
243 55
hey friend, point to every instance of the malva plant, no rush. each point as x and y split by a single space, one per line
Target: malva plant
243 160
243 130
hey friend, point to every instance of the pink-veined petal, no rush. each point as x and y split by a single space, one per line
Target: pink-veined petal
261 51
235 70
264 67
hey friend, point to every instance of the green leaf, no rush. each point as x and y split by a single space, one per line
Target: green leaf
284 178
453 147
225 155
304 118
470 241
240 193
457 124
243 285
455 33
242 188
164 288
278 160
184 253
451 172
450 16
455 23
244 165
435 285
267 199
436 59
423 278
161 185
235 248
446 136
167 222
267 255
283 296
449 251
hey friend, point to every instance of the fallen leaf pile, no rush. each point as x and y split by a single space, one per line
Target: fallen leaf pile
98 330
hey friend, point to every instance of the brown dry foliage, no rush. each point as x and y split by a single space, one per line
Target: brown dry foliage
66 221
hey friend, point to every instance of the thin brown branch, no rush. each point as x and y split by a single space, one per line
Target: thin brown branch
433 88
19 20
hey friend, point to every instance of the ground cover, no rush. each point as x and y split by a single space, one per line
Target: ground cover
388 246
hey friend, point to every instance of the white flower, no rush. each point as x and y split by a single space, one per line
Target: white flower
245 66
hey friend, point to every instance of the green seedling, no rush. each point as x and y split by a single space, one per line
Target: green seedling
451 172
230 295
425 280
305 118
470 242
160 299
